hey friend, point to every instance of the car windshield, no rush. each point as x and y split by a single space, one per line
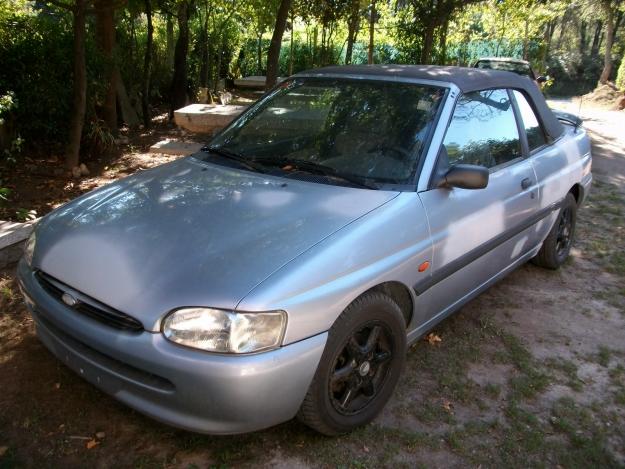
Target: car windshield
371 130
515 67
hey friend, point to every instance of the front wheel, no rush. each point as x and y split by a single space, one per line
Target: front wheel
359 368
557 246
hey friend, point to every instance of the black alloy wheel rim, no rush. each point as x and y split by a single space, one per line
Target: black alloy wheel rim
565 232
361 368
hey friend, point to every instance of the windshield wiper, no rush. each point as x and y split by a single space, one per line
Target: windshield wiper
231 155
316 168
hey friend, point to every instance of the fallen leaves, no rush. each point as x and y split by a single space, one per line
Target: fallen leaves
433 338
92 443
448 406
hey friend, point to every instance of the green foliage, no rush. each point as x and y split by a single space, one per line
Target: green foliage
4 193
36 64
7 104
99 135
620 76
225 35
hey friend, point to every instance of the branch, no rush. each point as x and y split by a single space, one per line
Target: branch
57 3
97 6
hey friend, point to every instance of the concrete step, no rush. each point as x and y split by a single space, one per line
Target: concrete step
170 146
12 238
206 118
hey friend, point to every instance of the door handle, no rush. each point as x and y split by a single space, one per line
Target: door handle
525 183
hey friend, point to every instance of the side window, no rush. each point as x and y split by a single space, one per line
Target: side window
535 134
483 130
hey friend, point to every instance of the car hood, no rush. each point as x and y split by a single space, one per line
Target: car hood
189 233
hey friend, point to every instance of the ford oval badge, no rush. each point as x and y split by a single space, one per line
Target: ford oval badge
69 300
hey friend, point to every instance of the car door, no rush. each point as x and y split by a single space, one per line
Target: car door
478 234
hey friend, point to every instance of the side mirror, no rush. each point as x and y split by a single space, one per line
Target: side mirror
465 176
541 79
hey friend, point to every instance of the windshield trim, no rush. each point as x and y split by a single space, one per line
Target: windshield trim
410 185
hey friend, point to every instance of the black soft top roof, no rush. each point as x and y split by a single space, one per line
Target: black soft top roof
465 78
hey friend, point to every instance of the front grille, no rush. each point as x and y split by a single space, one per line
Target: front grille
88 306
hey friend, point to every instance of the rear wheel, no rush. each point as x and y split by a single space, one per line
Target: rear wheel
557 246
359 368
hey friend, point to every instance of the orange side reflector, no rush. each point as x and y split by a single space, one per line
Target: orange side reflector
423 267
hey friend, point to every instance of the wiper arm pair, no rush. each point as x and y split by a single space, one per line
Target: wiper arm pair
248 163
315 168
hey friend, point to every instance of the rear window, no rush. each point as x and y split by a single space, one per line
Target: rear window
515 67
535 133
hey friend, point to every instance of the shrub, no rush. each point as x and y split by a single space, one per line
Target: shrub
620 76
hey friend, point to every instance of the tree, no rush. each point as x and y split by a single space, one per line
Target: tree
609 9
372 15
147 66
179 83
79 10
105 39
273 55
353 24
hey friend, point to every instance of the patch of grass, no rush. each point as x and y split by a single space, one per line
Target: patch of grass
617 263
429 412
568 369
532 380
588 441
493 390
447 362
527 433
604 355
468 440
617 372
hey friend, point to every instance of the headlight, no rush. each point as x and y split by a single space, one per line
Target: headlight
221 331
29 248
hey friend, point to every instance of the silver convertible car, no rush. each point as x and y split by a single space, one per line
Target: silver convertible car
283 270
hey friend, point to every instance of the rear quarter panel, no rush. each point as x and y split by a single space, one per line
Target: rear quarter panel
561 166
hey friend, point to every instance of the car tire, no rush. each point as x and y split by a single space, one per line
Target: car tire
557 246
359 368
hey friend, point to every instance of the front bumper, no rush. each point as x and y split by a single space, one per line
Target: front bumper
194 390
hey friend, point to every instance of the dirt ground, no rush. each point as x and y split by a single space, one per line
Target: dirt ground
531 373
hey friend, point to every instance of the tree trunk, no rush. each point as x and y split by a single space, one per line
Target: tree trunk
179 81
582 37
526 39
323 56
147 68
203 40
128 113
218 64
291 44
428 42
371 33
170 42
105 37
443 42
352 29
259 54
596 40
72 155
550 27
617 22
609 40
314 47
273 56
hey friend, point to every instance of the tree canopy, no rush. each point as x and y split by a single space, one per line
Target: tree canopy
76 70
